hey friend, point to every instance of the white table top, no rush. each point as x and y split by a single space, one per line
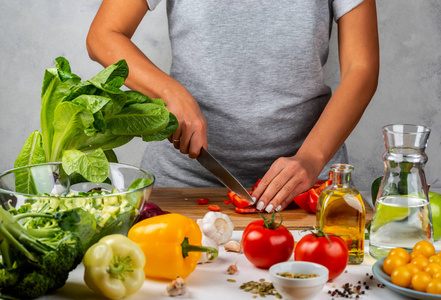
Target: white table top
209 281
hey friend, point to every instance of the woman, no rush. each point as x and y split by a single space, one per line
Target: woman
247 82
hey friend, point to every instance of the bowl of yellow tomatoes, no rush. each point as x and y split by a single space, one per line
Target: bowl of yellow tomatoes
415 273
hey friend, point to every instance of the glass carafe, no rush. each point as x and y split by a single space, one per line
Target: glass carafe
341 211
402 214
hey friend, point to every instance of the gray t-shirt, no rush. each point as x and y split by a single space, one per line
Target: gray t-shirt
255 68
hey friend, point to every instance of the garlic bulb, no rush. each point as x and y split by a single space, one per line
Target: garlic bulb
217 226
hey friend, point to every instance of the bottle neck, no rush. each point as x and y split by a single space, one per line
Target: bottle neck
342 178
341 175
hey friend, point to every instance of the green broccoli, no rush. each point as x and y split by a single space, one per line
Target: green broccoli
37 254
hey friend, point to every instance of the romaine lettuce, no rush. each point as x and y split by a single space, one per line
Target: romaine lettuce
84 116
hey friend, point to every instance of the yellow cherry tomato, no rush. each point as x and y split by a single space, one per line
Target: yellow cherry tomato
438 253
437 275
400 252
392 262
432 268
425 247
435 259
434 287
415 254
420 281
413 268
401 276
420 261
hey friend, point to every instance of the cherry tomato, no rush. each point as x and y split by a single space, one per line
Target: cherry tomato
420 281
425 247
435 259
400 252
401 276
434 287
432 268
392 262
266 243
413 268
414 254
330 251
420 261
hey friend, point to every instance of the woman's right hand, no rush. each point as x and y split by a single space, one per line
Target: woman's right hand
191 134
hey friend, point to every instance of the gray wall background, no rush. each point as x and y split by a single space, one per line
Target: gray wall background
34 33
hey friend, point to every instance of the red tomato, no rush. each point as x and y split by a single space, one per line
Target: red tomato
266 243
332 253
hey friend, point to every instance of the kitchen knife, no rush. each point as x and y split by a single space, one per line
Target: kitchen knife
211 164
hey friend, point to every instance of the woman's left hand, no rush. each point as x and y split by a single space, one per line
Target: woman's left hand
286 178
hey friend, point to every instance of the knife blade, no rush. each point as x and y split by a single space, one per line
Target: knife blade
215 167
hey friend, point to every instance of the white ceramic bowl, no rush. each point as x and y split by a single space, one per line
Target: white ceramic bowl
298 288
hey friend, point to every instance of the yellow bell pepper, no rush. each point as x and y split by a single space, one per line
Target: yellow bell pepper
113 267
172 245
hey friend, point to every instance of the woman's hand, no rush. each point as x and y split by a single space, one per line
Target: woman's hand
191 134
359 63
109 40
286 178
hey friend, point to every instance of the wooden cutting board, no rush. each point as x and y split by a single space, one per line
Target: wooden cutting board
183 201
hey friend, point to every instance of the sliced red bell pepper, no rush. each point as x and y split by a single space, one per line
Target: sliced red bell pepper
203 201
246 210
314 194
302 201
256 184
237 201
226 201
214 207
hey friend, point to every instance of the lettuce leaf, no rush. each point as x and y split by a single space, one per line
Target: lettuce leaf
86 116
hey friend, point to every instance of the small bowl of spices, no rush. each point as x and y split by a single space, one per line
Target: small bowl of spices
298 279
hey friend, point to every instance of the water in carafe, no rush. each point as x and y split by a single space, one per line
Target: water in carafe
402 214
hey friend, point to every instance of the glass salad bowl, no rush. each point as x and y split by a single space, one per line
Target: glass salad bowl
92 209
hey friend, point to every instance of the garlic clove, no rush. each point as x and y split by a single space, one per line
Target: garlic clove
177 287
233 246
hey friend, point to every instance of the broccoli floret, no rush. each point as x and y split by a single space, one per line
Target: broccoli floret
32 285
8 278
37 258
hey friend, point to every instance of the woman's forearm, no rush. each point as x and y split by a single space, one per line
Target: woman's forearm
359 67
109 40
341 115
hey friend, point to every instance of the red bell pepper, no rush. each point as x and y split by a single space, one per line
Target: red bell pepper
306 200
214 207
246 210
302 201
314 194
203 201
237 201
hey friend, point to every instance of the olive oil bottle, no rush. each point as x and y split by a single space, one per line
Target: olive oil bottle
341 211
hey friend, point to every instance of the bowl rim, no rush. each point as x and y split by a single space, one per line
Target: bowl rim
320 279
153 179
